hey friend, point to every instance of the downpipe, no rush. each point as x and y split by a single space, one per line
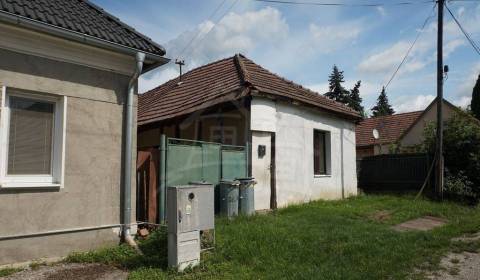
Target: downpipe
127 180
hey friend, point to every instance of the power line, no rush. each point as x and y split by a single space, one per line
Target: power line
430 16
198 33
342 4
223 15
469 38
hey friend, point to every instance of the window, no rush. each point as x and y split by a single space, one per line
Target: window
320 152
32 131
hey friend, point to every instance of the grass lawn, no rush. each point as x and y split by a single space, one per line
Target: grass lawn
319 240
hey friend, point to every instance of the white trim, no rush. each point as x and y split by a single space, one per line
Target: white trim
56 178
322 176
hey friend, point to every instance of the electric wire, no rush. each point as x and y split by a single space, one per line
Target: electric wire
469 38
430 16
213 26
343 4
198 33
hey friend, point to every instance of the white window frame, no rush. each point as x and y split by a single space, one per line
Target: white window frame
56 178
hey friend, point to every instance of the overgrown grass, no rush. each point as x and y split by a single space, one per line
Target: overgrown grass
4 272
328 240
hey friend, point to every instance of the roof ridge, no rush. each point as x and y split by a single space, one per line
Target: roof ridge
393 115
302 87
189 72
242 70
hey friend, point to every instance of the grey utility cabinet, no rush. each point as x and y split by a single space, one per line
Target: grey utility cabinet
189 210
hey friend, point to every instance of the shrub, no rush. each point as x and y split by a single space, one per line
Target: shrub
461 153
459 187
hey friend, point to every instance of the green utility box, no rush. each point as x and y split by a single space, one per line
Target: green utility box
246 197
229 192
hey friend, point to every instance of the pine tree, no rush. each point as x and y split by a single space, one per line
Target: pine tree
475 104
335 89
354 99
382 108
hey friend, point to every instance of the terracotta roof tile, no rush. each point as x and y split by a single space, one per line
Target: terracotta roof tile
227 79
390 128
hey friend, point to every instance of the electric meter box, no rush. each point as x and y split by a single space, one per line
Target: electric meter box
190 208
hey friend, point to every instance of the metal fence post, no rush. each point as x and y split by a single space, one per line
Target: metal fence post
162 178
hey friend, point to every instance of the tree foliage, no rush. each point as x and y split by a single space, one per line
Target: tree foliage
354 100
461 154
475 104
337 92
383 107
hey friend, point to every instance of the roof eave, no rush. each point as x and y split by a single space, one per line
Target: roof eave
152 60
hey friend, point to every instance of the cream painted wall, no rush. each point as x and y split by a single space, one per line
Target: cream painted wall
93 161
415 135
293 126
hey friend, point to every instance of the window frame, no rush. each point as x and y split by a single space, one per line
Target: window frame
55 179
326 153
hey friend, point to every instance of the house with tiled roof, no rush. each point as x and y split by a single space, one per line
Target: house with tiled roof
68 79
302 144
399 130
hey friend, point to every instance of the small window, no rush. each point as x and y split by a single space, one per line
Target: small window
30 141
32 131
319 152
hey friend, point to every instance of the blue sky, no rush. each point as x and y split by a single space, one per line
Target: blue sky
301 43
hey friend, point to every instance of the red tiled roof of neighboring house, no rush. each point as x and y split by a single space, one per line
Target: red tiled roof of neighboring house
81 16
390 128
226 80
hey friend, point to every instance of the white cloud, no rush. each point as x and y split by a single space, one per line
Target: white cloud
329 38
463 92
381 11
411 104
463 101
384 61
388 59
154 79
234 33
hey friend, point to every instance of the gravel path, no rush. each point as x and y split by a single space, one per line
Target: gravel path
70 271
459 266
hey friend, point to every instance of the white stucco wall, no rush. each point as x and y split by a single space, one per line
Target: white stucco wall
293 126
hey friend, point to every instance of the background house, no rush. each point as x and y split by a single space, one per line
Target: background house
405 129
302 143
65 67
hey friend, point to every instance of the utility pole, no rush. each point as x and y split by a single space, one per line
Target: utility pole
180 63
439 160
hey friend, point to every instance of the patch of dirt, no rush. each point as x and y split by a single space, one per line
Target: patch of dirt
462 266
468 238
71 271
381 216
423 224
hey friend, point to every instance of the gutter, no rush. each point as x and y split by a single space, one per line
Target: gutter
127 168
154 59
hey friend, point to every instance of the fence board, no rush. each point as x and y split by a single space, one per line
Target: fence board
397 172
233 164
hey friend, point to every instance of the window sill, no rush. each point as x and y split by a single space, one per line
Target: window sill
18 185
322 176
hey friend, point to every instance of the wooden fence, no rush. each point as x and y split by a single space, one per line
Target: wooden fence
393 173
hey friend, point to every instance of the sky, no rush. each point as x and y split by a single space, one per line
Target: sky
303 42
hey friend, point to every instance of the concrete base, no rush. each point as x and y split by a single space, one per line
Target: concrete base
54 247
